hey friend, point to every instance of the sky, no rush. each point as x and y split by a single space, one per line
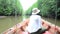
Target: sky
27 4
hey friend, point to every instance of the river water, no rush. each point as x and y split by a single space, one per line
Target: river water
51 20
9 21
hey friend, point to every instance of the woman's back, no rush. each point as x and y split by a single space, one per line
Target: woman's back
35 23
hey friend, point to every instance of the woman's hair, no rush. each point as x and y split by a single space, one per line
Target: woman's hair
38 13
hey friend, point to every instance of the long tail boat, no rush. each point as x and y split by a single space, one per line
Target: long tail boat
20 27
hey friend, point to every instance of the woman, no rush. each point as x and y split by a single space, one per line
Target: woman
35 23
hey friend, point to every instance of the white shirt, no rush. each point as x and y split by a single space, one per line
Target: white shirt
35 23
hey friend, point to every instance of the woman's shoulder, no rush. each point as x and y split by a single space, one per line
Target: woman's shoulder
38 15
35 16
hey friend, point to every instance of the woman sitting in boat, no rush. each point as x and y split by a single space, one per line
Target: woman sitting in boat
35 22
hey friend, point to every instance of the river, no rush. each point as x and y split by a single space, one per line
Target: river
9 21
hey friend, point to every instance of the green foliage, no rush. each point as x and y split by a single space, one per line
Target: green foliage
49 8
10 7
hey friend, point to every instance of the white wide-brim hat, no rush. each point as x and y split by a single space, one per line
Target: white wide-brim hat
37 11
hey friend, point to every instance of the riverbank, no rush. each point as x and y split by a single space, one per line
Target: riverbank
2 16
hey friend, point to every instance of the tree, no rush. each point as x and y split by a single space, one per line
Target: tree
9 7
